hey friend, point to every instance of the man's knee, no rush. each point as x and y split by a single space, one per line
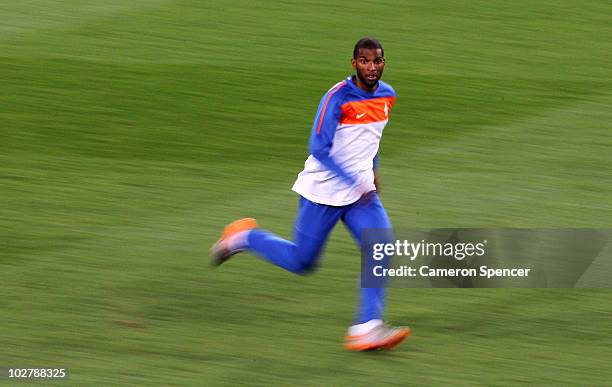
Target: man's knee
307 263
307 268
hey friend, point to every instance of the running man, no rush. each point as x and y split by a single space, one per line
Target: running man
339 182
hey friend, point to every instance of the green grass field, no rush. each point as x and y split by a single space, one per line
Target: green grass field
132 131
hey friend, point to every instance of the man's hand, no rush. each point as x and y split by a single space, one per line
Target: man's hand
377 181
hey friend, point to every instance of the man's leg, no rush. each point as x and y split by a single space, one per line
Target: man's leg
368 331
368 214
313 224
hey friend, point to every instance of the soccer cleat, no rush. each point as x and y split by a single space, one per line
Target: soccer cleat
221 251
380 337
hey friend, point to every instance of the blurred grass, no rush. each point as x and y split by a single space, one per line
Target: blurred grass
131 132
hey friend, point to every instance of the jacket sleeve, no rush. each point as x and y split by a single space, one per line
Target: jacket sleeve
323 131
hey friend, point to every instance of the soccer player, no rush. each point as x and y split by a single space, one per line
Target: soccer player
339 182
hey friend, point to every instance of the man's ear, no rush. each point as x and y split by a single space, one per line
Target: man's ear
354 63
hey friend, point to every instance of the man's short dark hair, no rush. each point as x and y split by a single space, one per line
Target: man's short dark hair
369 43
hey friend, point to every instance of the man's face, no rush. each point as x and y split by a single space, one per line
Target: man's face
369 66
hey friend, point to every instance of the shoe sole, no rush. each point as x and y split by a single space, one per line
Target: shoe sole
238 226
387 344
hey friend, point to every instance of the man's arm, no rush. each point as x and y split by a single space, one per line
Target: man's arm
323 131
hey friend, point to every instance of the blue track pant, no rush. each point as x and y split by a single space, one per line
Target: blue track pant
312 227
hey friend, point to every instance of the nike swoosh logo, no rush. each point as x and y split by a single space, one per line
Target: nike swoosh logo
360 115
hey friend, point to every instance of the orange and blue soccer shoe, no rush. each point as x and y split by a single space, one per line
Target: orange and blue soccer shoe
231 241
